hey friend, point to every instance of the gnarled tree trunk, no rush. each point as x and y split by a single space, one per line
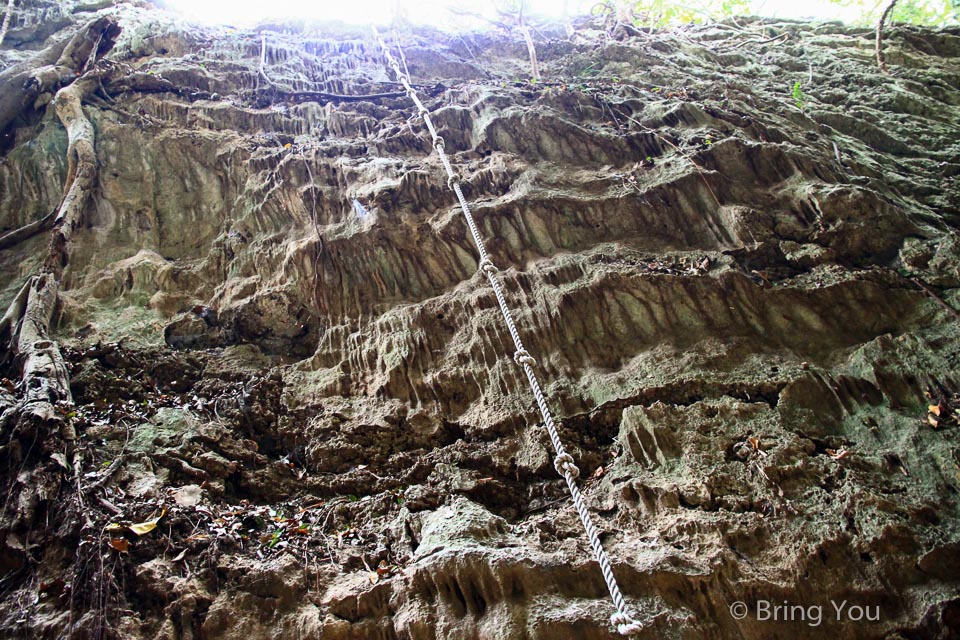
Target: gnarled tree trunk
54 67
38 411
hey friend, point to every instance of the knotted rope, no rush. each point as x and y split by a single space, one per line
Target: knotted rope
564 462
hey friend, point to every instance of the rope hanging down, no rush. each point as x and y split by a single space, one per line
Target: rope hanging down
564 462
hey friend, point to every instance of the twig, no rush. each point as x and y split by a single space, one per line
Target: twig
881 60
263 60
109 506
933 294
683 155
316 228
326 543
531 49
6 20
783 36
543 506
466 46
77 463
112 469
403 58
524 31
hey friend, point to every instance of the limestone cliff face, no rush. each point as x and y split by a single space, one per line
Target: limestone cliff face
742 297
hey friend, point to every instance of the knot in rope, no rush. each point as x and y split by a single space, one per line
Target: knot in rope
438 143
564 464
625 625
454 179
486 265
522 357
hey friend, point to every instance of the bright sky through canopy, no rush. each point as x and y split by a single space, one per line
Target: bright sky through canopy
438 12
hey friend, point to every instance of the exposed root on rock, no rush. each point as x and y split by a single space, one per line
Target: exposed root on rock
881 59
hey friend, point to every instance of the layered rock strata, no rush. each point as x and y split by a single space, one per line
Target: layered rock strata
742 298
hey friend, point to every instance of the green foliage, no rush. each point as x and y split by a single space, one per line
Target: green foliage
935 13
931 13
799 98
589 71
666 13
275 538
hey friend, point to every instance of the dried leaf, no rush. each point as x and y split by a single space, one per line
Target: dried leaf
934 409
142 528
53 589
373 577
120 544
933 420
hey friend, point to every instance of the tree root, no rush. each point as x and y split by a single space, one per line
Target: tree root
44 388
25 327
935 296
81 169
35 420
46 381
54 67
881 60
27 231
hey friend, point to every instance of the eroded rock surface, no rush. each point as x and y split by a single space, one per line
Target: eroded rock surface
744 308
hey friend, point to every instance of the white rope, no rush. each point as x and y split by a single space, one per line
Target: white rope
564 462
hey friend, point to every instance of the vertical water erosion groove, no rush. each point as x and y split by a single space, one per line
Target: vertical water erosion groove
252 372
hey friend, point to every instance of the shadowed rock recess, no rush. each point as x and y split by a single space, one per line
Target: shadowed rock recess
294 414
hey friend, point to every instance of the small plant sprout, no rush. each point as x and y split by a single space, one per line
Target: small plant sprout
799 98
